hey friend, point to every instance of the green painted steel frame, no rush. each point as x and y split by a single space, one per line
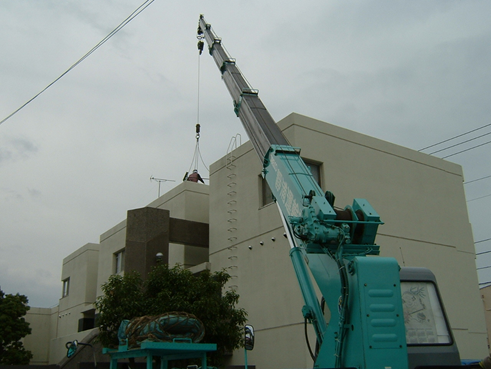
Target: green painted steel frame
164 350
366 331
309 215
374 331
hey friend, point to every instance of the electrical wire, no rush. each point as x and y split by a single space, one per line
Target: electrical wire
128 19
478 179
452 138
460 143
479 198
470 148
483 252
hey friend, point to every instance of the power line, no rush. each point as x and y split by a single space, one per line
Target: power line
478 198
460 143
128 19
478 179
470 148
483 252
452 138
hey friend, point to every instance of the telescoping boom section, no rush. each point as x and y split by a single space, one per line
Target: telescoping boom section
366 329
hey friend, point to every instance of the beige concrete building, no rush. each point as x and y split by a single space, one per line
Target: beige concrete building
419 197
486 299
85 270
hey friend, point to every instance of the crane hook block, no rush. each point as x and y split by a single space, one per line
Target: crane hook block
201 44
197 131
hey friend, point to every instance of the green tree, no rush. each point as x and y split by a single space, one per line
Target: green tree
13 327
122 299
174 289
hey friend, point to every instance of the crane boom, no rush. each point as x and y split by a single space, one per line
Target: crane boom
331 245
258 123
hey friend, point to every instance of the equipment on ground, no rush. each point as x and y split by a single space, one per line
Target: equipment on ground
166 327
170 336
380 316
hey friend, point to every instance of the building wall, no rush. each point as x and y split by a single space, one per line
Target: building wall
53 327
188 200
419 197
486 299
38 342
81 267
92 265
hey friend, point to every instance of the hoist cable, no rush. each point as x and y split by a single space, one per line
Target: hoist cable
199 79
197 153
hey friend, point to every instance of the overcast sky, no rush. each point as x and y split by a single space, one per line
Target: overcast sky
79 156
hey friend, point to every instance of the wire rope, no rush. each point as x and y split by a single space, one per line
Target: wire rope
199 79
197 157
128 19
202 161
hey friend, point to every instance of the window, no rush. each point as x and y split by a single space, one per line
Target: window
66 287
88 320
315 169
423 314
119 262
267 195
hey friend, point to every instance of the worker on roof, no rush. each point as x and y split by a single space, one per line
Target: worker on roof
195 177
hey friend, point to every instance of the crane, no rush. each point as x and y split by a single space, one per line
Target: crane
367 327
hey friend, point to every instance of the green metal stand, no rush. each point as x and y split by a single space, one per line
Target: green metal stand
164 350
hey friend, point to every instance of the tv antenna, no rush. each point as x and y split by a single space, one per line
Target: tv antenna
160 180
